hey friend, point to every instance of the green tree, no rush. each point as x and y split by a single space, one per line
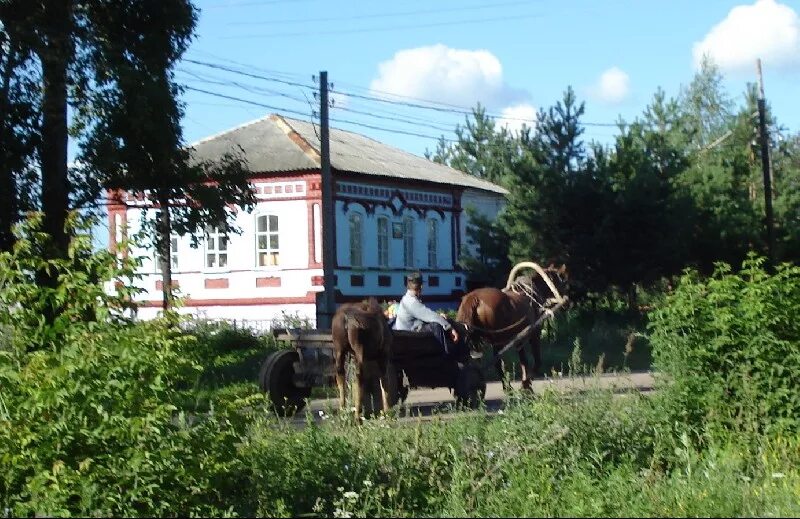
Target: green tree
134 137
553 209
486 151
19 123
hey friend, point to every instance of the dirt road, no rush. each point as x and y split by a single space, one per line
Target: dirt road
426 403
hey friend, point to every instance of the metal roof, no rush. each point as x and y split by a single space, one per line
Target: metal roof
281 144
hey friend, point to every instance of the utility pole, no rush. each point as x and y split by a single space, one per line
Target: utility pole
765 166
326 306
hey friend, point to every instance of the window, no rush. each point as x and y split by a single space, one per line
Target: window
267 240
216 248
408 241
383 241
355 240
173 255
433 243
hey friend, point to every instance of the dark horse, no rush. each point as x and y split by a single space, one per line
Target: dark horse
361 330
497 316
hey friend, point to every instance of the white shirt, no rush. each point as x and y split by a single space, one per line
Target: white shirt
412 314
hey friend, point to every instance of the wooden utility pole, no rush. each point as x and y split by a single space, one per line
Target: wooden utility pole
326 305
765 166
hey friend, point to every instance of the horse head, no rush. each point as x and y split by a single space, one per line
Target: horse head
469 335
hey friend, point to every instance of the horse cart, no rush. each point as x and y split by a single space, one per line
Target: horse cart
417 361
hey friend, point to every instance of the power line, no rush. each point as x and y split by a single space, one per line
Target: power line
248 74
391 130
254 3
462 111
248 88
384 15
383 29
248 101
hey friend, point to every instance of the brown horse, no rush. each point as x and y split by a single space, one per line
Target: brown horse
497 316
361 330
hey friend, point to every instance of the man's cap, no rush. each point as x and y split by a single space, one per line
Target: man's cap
414 277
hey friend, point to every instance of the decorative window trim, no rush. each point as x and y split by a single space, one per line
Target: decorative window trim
269 233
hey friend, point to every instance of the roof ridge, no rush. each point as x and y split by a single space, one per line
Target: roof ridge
306 147
229 130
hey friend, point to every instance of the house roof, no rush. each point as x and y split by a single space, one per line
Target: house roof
280 144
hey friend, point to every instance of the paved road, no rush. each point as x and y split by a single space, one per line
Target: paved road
429 402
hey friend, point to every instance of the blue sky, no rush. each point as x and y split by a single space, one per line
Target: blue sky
513 56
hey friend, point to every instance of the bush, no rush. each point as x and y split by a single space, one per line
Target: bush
729 348
88 421
555 455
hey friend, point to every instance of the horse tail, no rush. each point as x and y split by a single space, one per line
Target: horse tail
468 309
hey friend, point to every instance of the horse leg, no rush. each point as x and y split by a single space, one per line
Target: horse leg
359 391
382 365
536 349
358 353
341 383
525 367
500 366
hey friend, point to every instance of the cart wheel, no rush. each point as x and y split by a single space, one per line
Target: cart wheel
470 386
276 378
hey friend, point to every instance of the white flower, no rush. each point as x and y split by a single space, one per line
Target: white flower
350 495
367 483
778 475
500 411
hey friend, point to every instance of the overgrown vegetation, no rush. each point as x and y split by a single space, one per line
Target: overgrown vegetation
100 415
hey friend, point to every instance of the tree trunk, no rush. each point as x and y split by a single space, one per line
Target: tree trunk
9 208
54 57
165 250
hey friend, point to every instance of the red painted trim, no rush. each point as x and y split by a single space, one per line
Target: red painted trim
312 263
160 284
268 282
309 298
216 283
317 281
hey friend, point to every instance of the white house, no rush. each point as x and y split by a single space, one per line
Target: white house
394 212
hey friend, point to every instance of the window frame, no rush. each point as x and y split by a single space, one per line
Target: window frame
269 233
408 242
217 234
173 252
433 245
383 241
356 239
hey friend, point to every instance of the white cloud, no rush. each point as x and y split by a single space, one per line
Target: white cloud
511 117
612 87
440 73
765 29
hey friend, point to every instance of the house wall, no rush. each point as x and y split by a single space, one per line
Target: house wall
244 291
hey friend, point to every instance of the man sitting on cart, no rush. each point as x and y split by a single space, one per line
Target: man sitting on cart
412 315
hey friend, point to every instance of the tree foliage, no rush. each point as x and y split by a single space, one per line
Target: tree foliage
680 186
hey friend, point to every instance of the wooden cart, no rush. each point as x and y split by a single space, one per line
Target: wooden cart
418 360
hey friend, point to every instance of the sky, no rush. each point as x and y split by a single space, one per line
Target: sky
405 72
